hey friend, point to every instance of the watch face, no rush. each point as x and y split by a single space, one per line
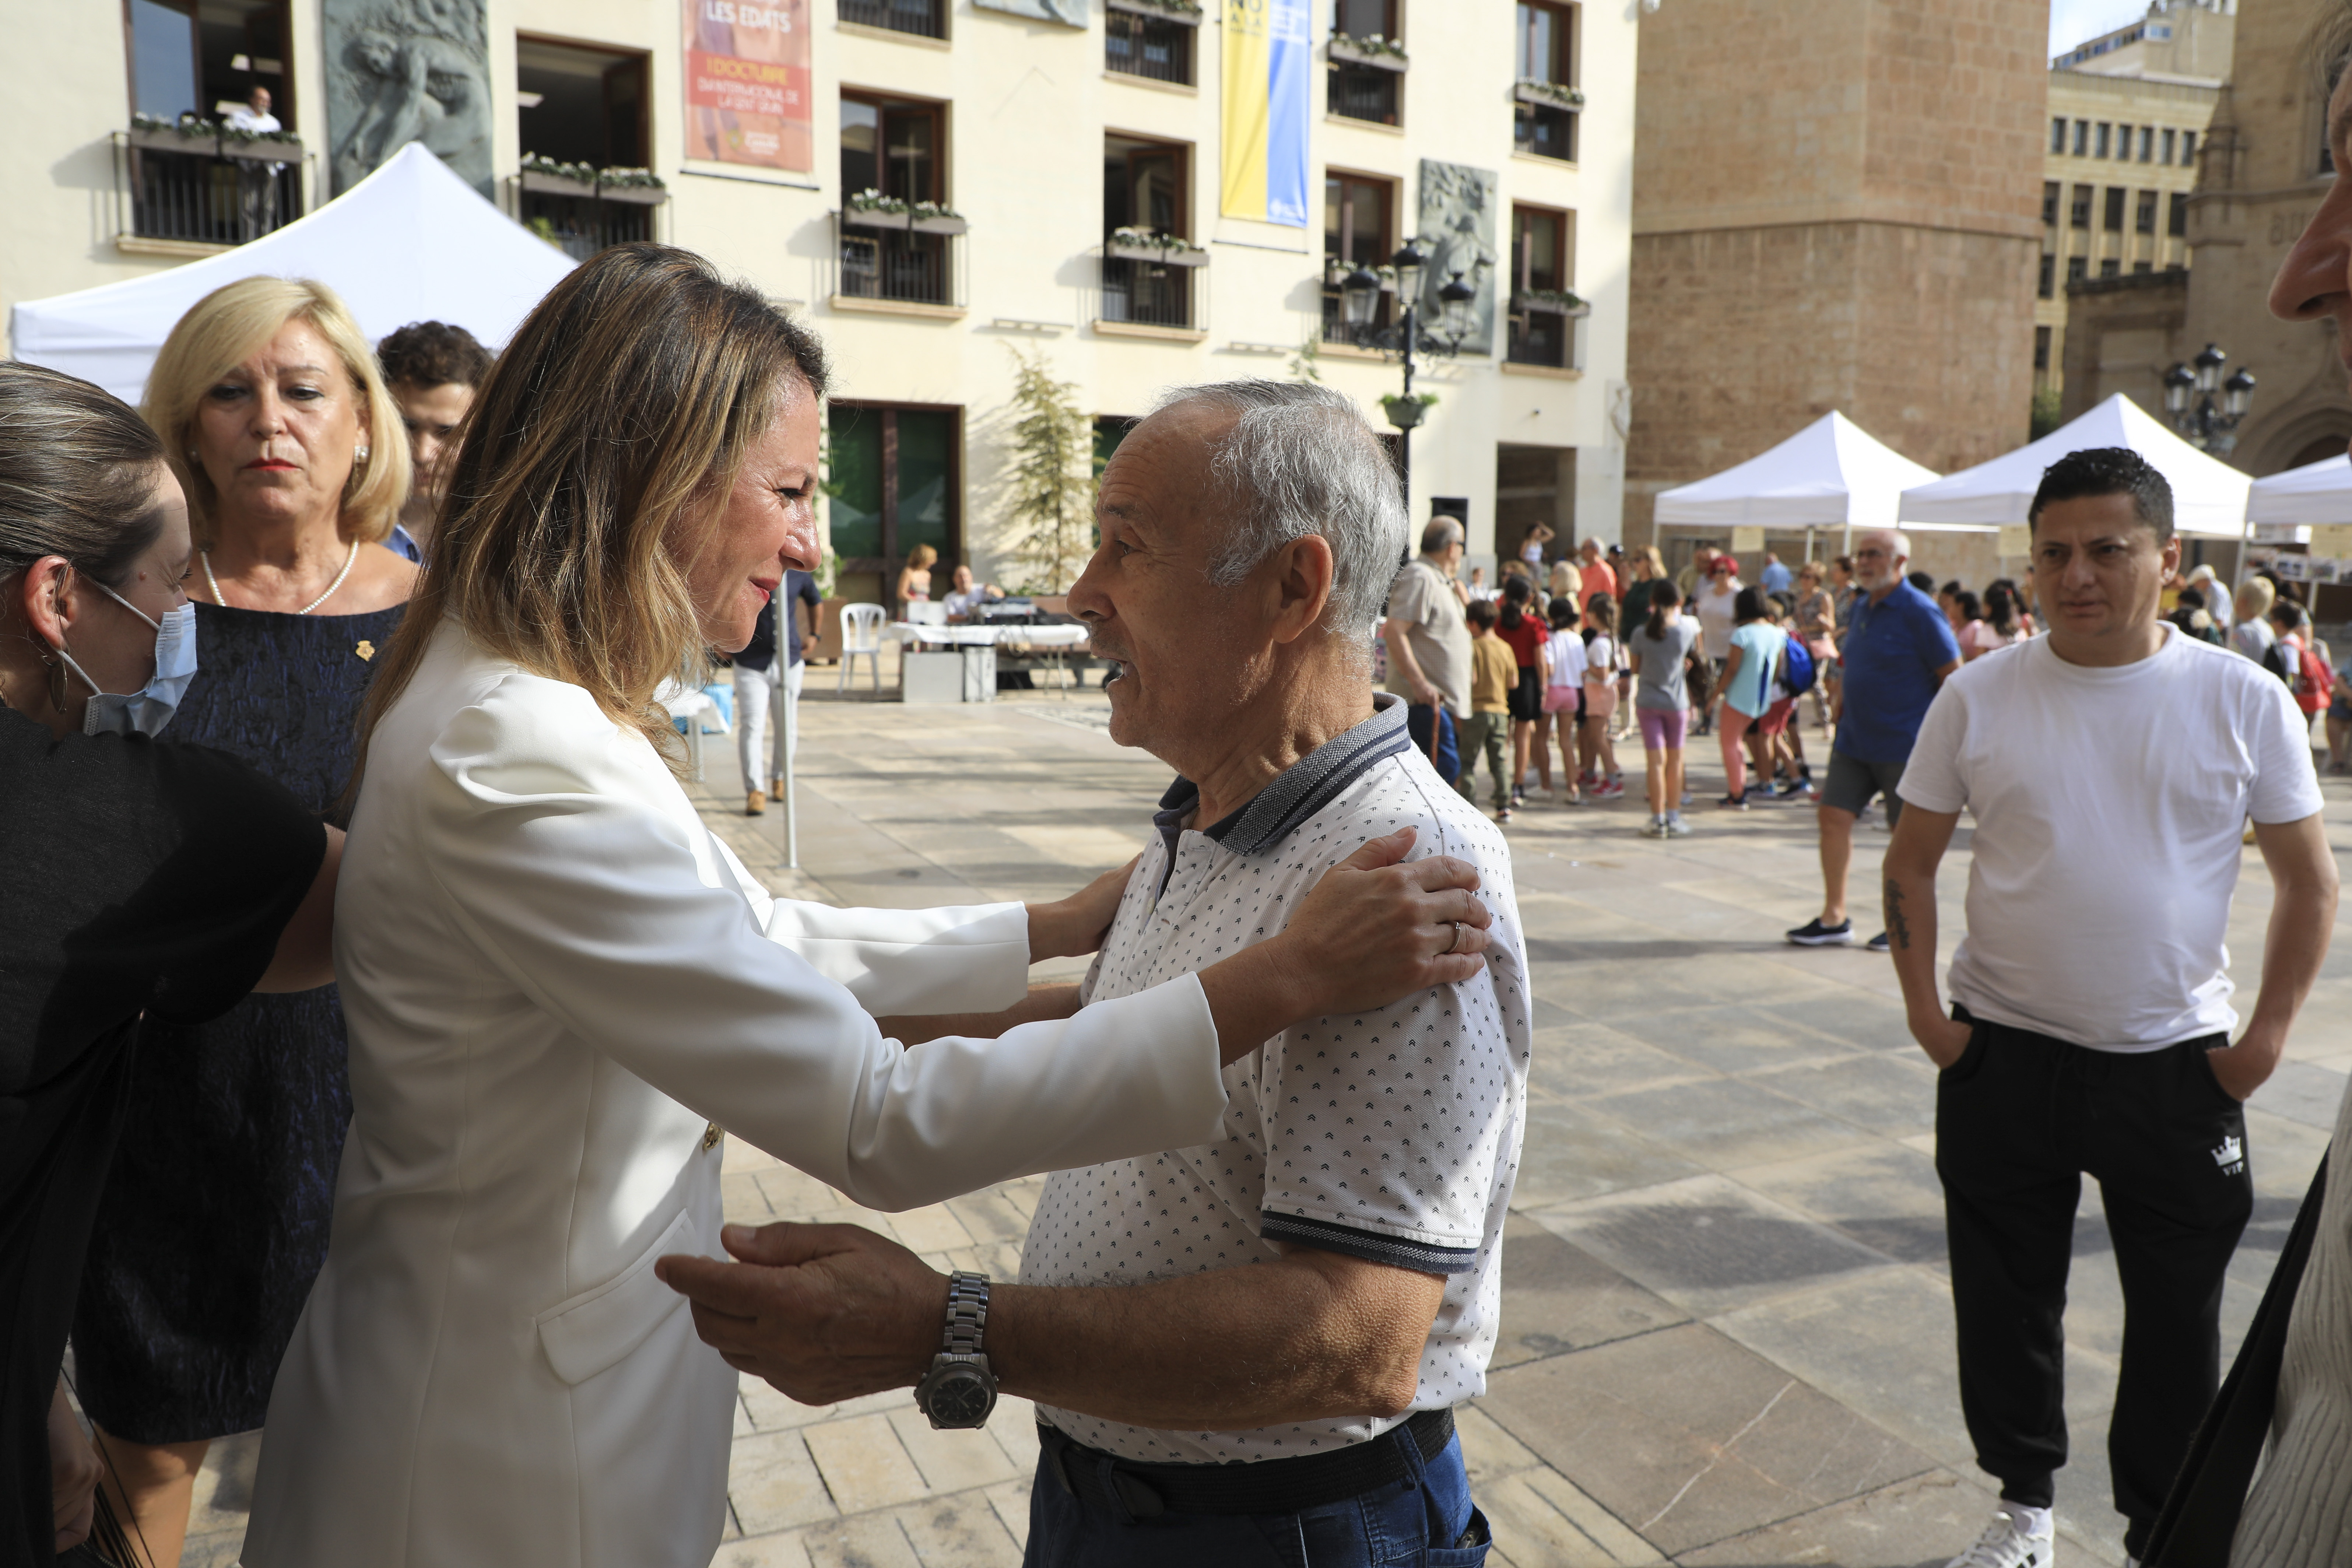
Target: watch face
960 1398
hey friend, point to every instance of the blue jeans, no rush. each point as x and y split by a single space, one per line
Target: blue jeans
1411 1522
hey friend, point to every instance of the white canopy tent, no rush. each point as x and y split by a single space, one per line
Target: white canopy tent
1830 474
2209 496
412 242
2316 492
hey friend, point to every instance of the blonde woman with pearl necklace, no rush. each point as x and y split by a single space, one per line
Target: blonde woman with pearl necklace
279 429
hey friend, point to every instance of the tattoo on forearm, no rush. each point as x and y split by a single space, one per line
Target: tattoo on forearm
1898 927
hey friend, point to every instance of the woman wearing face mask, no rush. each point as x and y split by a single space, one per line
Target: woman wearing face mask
161 877
278 426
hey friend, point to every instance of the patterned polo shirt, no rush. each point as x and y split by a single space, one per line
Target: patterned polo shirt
1393 1136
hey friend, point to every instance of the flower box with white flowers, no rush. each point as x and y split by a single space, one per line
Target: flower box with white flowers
869 209
935 218
1549 94
1550 301
189 133
1367 49
1152 245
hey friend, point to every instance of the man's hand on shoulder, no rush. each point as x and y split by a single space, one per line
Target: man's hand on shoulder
825 1312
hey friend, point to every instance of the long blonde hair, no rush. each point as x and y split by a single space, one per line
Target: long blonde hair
227 327
588 474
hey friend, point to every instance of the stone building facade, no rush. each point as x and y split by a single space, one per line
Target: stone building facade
2115 184
2263 172
1836 206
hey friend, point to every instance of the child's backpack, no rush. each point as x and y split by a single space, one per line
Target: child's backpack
1800 668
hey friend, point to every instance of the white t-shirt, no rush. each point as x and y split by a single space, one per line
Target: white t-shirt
1716 617
2109 806
1567 659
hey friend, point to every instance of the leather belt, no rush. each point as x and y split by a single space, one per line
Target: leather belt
1264 1487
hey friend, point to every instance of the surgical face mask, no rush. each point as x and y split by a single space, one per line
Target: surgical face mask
146 710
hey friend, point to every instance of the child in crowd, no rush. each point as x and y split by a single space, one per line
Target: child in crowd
1663 651
1563 700
1783 736
1494 676
1521 625
1596 752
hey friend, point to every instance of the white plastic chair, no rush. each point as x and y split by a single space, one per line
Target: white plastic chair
861 633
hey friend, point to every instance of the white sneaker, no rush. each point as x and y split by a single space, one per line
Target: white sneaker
2016 1538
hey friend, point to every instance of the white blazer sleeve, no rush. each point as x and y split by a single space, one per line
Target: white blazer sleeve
561 846
971 958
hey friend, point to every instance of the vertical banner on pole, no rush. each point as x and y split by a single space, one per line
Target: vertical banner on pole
1268 54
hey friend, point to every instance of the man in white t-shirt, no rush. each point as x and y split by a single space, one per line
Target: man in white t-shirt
256 182
2110 767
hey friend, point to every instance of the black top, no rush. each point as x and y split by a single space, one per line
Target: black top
191 1289
760 651
140 877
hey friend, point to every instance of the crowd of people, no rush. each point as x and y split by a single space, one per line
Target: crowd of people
377 1002
1608 645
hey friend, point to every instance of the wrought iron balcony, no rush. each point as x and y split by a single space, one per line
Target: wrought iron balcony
886 255
207 189
924 18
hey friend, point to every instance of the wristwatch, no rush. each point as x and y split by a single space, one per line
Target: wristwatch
959 1390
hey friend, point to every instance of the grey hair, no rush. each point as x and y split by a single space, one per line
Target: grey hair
1301 459
1898 544
1442 532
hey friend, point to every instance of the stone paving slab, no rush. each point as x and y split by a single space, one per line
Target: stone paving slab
1726 1333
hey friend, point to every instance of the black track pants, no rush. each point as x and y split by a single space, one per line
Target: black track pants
2020 1119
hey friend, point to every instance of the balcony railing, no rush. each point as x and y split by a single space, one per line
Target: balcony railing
881 257
1146 293
580 226
1543 331
924 18
1363 93
1148 46
184 189
1544 130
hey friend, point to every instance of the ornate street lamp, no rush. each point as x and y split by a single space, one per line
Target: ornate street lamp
1359 302
2190 404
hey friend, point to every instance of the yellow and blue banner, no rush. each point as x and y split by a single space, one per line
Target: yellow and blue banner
1269 51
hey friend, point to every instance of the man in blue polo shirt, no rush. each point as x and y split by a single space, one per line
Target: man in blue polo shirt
1898 652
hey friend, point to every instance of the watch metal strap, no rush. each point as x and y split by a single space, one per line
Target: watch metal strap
967 1314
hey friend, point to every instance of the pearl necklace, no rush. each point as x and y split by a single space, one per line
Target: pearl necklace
214 583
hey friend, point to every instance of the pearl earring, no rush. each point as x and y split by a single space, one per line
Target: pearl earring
363 454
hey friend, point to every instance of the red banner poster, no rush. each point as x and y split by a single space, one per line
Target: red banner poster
747 83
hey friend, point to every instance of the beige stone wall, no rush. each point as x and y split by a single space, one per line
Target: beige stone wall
1739 338
1779 111
1836 204
2120 337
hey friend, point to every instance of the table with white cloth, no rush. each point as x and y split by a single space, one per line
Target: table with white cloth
963 669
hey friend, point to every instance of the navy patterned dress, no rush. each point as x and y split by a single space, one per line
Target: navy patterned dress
215 1218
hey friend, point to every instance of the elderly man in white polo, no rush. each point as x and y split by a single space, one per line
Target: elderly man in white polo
1195 1410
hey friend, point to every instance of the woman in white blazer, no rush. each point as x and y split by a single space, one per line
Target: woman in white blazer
561 986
